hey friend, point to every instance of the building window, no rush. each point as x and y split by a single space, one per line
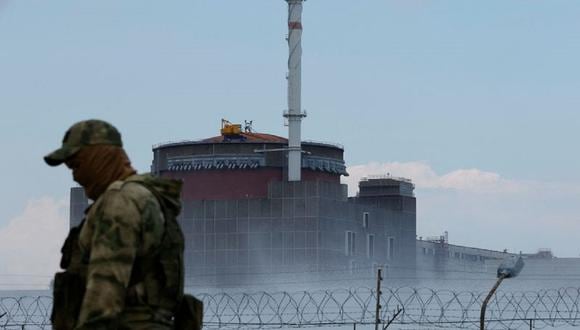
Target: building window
370 246
365 220
457 255
349 243
353 267
390 248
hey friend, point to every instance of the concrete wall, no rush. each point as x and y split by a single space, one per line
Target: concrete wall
440 261
299 230
232 242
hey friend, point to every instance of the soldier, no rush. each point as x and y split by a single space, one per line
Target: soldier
123 265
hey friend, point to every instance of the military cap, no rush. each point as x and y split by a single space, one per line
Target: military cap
84 133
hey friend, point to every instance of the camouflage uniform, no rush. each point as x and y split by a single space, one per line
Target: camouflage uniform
125 224
129 249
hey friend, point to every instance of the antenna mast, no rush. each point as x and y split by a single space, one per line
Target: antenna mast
294 113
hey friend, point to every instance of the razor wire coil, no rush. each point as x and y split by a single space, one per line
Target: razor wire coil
422 307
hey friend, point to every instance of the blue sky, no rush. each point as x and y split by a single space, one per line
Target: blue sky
440 86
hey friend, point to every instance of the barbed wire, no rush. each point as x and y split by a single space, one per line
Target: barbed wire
25 312
421 307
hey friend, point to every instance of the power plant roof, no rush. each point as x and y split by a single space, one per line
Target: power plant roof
249 137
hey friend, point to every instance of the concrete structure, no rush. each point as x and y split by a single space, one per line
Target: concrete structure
244 222
385 209
442 264
256 205
551 272
240 166
439 260
294 113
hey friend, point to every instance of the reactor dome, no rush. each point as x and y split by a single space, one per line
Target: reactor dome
240 164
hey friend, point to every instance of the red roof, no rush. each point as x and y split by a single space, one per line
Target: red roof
250 137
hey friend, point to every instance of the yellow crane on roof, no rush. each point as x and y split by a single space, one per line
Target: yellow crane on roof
229 129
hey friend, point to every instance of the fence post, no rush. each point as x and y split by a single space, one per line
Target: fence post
378 309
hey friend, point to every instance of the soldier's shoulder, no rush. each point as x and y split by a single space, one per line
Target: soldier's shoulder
130 187
135 189
127 190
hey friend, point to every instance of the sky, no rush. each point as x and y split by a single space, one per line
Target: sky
476 101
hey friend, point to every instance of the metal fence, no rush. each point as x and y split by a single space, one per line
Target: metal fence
342 307
25 312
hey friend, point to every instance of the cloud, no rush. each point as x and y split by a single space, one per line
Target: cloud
423 176
30 244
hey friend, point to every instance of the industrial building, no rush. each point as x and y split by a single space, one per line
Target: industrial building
256 205
244 222
439 260
441 264
243 219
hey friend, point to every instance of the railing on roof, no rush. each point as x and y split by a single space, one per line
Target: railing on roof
469 248
178 142
184 141
334 144
436 239
385 176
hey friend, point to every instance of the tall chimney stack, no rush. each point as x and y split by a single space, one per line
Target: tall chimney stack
294 113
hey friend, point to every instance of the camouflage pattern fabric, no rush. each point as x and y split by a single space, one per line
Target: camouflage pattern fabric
124 229
84 133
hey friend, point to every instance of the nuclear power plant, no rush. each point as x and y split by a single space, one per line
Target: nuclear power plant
258 206
242 216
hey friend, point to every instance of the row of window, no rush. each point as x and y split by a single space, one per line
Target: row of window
456 255
358 268
350 245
